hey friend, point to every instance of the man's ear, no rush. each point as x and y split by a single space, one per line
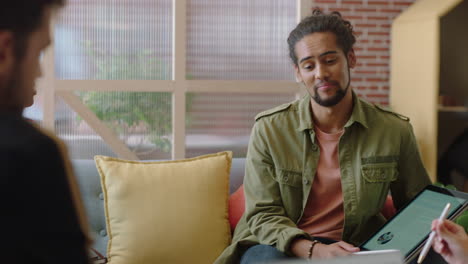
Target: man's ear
351 59
7 52
297 73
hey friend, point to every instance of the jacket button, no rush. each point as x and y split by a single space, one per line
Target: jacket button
103 233
314 147
285 179
101 196
306 181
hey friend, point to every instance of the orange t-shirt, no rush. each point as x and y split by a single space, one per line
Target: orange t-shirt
324 215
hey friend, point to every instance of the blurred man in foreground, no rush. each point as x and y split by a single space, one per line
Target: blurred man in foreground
40 206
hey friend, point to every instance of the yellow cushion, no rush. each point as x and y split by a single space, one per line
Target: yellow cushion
166 212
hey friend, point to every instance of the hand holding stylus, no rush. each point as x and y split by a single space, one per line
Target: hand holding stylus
451 241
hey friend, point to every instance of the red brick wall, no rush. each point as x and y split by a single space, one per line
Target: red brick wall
372 20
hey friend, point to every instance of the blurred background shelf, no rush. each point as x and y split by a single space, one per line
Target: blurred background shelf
461 109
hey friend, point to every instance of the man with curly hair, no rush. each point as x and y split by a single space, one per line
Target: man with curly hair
319 169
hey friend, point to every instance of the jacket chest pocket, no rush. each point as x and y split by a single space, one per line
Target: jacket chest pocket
290 178
290 185
376 184
379 172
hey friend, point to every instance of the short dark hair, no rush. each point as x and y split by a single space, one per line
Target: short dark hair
22 17
320 22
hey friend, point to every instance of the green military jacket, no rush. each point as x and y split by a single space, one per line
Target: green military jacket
377 153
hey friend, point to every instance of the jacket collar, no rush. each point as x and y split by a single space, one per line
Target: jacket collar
358 114
305 114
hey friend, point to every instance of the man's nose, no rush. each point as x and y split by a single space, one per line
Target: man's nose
321 72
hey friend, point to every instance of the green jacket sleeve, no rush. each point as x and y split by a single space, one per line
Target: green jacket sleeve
265 214
412 176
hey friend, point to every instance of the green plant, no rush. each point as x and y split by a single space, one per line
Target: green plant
147 114
143 113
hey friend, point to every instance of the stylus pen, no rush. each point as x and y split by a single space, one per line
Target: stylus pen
428 244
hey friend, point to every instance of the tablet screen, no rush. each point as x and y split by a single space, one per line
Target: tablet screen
412 225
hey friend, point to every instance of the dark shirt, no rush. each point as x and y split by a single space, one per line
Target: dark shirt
38 217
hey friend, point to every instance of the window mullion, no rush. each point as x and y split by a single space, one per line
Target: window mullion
47 86
179 73
304 8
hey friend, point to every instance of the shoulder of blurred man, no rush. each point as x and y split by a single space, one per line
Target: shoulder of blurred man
18 131
37 179
31 158
24 139
43 212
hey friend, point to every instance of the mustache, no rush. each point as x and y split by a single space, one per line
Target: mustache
317 85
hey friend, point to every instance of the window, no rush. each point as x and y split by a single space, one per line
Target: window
162 79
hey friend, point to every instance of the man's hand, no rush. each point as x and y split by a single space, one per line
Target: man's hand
300 248
337 249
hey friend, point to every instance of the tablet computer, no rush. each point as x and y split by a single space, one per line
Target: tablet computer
409 228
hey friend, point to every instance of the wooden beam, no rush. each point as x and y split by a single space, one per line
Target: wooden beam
96 124
178 74
115 85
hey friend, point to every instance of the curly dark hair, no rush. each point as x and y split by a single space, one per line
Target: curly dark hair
320 22
22 17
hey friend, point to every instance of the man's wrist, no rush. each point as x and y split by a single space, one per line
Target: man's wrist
311 248
300 246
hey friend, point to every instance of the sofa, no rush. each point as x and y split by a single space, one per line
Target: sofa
93 198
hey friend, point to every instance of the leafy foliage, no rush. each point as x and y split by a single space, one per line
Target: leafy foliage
144 113
136 112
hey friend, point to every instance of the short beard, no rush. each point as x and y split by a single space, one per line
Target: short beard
340 93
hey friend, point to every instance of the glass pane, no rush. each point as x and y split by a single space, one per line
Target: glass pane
114 40
142 120
239 40
81 140
223 121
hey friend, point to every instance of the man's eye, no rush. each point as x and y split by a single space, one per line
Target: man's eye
330 61
308 67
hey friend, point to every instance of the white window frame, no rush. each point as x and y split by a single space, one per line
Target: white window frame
178 86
